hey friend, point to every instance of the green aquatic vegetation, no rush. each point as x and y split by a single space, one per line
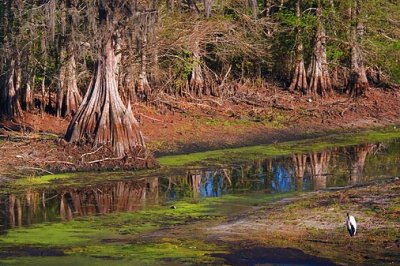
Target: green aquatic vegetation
44 179
149 253
226 156
76 178
118 235
64 261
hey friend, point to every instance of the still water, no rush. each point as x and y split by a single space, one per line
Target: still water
336 167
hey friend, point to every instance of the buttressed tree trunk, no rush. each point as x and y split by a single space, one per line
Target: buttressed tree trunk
10 105
10 68
68 97
102 118
299 80
320 81
72 97
358 82
196 81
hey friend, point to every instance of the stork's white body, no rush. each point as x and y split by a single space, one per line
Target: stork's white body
351 225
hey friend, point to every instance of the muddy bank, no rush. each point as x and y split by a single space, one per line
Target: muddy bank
40 154
196 125
314 223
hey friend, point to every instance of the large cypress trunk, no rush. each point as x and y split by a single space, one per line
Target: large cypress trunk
71 96
68 97
299 80
102 118
10 105
320 81
10 66
358 82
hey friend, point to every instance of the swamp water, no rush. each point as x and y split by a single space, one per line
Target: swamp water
162 216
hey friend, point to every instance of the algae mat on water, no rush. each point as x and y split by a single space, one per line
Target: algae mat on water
158 235
226 156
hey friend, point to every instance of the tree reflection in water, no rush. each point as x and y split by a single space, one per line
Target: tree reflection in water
357 156
312 171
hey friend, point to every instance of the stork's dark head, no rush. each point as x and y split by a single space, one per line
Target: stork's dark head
347 214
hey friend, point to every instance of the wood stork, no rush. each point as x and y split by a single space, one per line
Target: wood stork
351 224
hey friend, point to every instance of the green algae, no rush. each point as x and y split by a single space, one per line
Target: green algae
64 261
226 156
44 179
121 236
75 178
189 251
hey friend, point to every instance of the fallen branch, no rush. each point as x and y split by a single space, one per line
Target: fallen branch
151 118
105 159
237 100
90 153
286 108
36 168
60 162
226 76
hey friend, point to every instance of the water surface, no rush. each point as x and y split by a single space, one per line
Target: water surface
334 167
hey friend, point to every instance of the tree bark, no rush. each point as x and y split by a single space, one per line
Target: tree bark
27 95
320 81
254 8
143 86
207 7
10 105
72 97
358 82
196 80
299 80
10 80
102 119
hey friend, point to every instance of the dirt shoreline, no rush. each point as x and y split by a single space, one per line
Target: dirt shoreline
314 223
